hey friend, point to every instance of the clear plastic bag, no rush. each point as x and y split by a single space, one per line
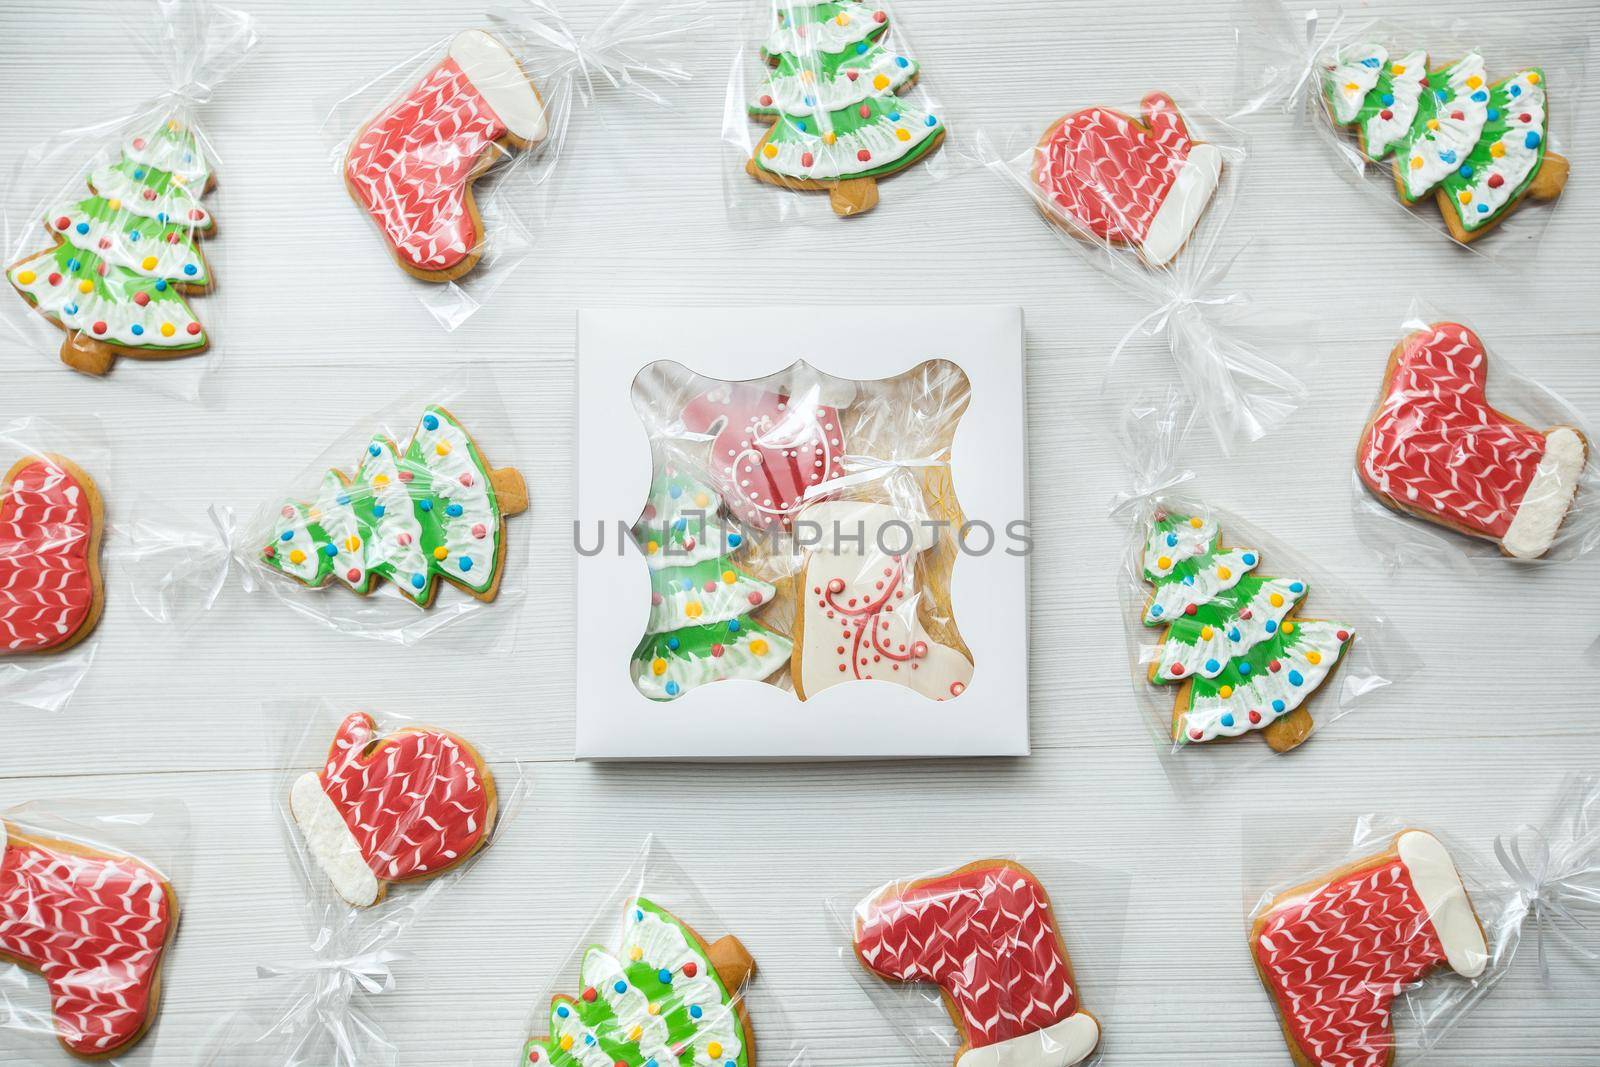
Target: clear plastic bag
1466 462
53 524
382 815
1001 948
655 974
1409 928
453 152
1436 117
1231 632
1143 192
826 97
108 231
88 913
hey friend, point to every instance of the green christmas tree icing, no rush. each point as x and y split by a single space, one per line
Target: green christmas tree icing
654 1000
1229 636
408 517
700 629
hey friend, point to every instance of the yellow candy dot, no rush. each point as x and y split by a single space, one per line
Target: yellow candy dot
636 1033
1276 600
769 151
1474 81
903 135
654 1009
167 329
1164 562
297 556
114 204
701 500
441 552
729 577
1416 162
1351 86
843 20
172 124
1433 124
808 76
637 953
829 137
1533 77
443 448
652 547
148 263
352 543
566 1042
1313 658
380 479
1206 632
1196 523
1224 573
657 666
180 179
26 277
1225 692
1288 627
693 609
86 286
1464 196
758 647
1399 68
314 514
881 82
714 1049
1497 150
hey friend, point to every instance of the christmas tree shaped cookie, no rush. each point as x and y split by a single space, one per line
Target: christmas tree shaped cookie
1479 149
1239 658
831 97
700 629
660 996
434 509
126 256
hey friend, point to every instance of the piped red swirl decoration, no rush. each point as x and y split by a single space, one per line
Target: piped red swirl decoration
1109 173
866 613
415 801
47 534
95 927
1436 446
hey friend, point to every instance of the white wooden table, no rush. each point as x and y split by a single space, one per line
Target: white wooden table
1476 743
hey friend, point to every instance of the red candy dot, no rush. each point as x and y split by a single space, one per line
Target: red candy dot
99 327
836 585
1496 181
879 16
866 112
589 995
404 538
806 159
1177 670
1197 735
655 599
55 278
353 574
852 74
138 142
466 479
141 299
863 155
1386 114
690 970
287 512
1458 116
755 598
711 587
1274 666
406 476
716 650
101 270
193 328
149 194
766 101
63 222
1343 635
197 215
270 551
1255 716
1190 610
105 242
479 531
1525 117
173 238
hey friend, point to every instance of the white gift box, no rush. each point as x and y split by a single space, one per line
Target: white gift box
738 718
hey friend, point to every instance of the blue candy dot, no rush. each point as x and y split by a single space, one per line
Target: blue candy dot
1494 114
1388 99
734 540
673 643
1227 720
139 173
430 422
161 216
133 235
161 285
688 585
1296 678
894 116
563 1011
1466 170
695 1011
664 977
190 269
621 986
800 125
288 535
1480 96
1447 156
1533 139
372 450
734 626
343 499
425 505
137 329
1213 666
378 510
466 563
861 49
452 510
902 62
1278 706
1172 540
651 1063
1249 559
1189 580
1370 61
1155 610
417 580
1297 587
71 309
1441 95
588 1039
1233 634
1483 209
82 227
675 492
638 913
931 121
1516 90
672 689
1244 666
808 101
73 264
1272 627
330 550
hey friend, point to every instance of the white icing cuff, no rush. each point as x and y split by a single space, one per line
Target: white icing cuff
1434 876
1544 506
331 842
1067 1042
494 72
1183 205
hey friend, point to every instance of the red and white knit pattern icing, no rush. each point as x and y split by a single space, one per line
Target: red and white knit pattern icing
409 167
1336 961
415 805
1436 444
95 928
986 937
768 450
1109 173
46 528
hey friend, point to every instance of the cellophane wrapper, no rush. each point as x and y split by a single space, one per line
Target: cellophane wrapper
1024 953
454 153
111 230
657 973
52 558
90 895
1356 81
381 794
801 499
1256 647
1381 904
1458 429
1143 190
829 104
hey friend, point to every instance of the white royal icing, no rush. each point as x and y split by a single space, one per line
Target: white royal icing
459 483
703 536
494 72
177 154
1062 1044
684 602
396 550
1223 572
178 203
1434 877
738 660
292 520
1217 716
881 140
853 24
1208 658
1544 506
1442 150
331 843
337 517
77 310
1183 205
133 249
1379 133
1355 72
801 94
1517 158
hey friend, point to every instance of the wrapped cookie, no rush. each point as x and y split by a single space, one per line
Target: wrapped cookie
1459 440
1382 943
109 244
89 907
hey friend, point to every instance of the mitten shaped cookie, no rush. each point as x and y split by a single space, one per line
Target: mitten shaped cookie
660 996
96 926
1435 448
412 166
1334 953
51 519
1127 182
985 934
404 807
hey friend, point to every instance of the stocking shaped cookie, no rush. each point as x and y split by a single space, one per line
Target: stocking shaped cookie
96 926
399 808
50 523
769 448
1141 184
987 937
1437 449
412 166
1336 952
859 602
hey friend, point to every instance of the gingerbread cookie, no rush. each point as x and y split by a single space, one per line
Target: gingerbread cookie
1435 448
1480 149
96 926
1242 662
434 509
51 521
985 934
399 808
126 256
1335 952
413 165
838 123
1126 182
660 996
860 599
